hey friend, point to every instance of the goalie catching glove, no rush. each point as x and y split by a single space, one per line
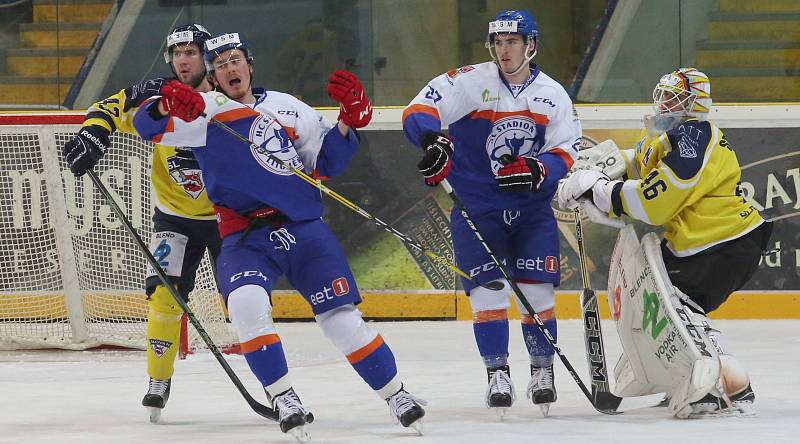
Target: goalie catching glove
86 148
355 110
182 101
589 184
519 174
437 162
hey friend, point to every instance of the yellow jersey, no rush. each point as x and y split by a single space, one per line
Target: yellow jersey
177 181
689 184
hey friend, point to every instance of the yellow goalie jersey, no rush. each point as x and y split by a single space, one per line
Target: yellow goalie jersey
689 184
177 179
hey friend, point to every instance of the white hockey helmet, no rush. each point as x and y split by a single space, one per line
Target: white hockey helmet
683 92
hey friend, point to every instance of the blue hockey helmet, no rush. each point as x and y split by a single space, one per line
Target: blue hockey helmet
512 21
221 43
193 33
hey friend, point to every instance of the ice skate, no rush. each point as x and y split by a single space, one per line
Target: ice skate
500 391
541 388
292 415
406 409
156 398
743 402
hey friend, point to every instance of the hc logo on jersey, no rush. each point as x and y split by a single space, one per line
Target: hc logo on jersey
275 149
515 135
185 171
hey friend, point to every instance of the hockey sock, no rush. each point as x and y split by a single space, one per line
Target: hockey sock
251 315
365 349
491 334
163 333
539 350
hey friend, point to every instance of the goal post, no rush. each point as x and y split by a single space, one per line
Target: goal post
71 277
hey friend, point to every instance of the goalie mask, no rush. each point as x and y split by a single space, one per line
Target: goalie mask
514 22
679 95
184 35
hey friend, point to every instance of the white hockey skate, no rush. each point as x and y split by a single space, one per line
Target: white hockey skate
406 409
156 398
541 388
710 406
292 415
500 394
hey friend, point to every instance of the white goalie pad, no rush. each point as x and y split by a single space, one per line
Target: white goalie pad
665 350
605 157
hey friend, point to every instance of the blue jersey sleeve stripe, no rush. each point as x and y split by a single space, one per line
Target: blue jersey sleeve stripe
417 124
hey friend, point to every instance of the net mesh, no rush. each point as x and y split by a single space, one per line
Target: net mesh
109 270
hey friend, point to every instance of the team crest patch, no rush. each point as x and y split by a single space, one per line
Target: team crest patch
275 149
159 346
515 135
185 171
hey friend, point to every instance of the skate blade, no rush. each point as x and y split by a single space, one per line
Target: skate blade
418 427
299 433
723 413
545 407
155 414
500 412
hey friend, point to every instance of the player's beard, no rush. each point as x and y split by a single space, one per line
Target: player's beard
196 80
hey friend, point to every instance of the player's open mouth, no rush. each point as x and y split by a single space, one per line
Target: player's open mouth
234 82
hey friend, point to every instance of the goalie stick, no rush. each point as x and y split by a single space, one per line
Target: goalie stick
521 298
342 200
259 408
602 397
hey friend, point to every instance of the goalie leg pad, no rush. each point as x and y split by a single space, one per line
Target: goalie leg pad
666 350
250 311
490 323
364 348
163 333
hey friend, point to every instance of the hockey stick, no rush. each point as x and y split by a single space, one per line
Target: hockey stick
522 300
342 200
259 408
602 397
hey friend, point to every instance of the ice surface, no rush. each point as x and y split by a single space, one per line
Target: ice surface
87 397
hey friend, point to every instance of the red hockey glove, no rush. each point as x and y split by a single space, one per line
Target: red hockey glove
182 101
355 110
436 164
520 173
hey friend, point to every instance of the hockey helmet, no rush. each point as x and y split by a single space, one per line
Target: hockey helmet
516 22
193 33
221 43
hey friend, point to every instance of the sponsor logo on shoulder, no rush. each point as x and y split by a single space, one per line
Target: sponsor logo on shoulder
453 73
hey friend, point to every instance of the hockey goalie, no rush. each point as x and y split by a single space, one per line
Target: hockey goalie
682 176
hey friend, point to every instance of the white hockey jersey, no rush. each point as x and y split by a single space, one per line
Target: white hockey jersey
487 118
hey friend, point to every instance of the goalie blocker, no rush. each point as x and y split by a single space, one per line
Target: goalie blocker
667 347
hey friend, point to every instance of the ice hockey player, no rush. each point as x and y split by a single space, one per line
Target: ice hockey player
683 175
270 219
184 225
513 134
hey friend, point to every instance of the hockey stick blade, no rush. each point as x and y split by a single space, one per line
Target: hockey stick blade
257 407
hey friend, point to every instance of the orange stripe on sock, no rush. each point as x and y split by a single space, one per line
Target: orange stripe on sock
261 341
365 351
490 315
544 315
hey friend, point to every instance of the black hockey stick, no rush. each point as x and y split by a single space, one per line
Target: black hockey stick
523 301
259 408
602 397
344 201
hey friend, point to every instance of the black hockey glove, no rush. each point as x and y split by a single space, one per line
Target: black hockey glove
520 173
137 94
436 164
86 148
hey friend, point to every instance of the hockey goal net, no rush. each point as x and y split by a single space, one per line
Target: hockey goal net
71 276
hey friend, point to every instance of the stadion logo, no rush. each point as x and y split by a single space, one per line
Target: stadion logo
515 135
275 150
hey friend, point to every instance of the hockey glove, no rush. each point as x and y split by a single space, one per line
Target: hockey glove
436 164
86 148
589 184
355 110
520 174
182 101
137 94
